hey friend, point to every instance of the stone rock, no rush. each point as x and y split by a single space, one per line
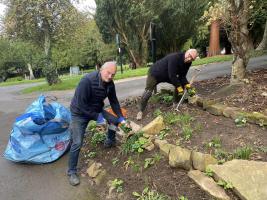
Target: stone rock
193 100
150 147
264 94
201 161
208 185
256 117
94 169
249 178
135 127
180 158
100 177
164 147
232 112
200 102
154 127
207 103
216 109
160 142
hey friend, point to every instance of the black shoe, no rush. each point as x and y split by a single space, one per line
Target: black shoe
74 179
109 143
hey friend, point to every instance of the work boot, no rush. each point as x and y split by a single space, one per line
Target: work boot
74 179
139 115
111 139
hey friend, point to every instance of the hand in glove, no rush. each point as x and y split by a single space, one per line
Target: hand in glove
180 91
191 90
124 123
100 119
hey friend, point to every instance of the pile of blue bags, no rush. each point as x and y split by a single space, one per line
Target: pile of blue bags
41 134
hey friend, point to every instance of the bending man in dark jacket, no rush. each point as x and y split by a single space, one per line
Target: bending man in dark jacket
171 69
87 104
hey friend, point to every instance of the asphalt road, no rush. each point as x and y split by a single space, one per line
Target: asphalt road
42 182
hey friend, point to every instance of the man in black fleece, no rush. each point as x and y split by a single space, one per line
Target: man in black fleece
171 69
87 104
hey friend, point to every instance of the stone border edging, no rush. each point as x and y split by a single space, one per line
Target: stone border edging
219 109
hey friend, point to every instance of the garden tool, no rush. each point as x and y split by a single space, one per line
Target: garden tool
185 90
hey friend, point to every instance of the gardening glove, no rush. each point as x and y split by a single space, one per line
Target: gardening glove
180 91
100 119
124 122
190 90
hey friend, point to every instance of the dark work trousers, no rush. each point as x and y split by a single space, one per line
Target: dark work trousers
77 128
151 84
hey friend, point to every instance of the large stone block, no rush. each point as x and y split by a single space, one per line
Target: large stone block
208 185
154 127
180 158
216 109
231 112
249 178
201 161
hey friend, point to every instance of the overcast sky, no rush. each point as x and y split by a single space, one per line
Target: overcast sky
82 6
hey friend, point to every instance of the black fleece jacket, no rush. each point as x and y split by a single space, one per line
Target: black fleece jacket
171 69
88 100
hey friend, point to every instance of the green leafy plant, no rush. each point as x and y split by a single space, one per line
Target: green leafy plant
157 112
171 118
240 121
185 119
118 185
182 198
115 161
92 126
155 98
222 156
97 138
139 145
128 163
149 162
163 133
127 147
242 153
125 128
208 172
215 143
167 98
226 185
92 154
187 132
148 194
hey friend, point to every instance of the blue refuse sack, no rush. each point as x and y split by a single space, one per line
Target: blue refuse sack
41 134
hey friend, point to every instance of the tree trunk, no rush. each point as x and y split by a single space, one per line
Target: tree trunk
239 38
30 71
214 46
263 44
238 70
49 70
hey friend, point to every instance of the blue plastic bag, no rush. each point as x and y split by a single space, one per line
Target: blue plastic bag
41 135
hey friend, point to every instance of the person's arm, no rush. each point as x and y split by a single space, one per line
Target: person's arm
182 78
173 72
113 100
83 97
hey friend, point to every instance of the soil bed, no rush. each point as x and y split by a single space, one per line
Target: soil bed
195 129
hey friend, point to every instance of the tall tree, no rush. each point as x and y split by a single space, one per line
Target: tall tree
130 19
177 21
42 22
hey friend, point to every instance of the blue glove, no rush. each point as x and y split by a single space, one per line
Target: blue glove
121 120
100 119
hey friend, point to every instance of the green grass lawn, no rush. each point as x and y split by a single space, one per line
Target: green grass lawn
70 82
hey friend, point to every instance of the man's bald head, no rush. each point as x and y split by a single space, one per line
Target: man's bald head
108 71
190 55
